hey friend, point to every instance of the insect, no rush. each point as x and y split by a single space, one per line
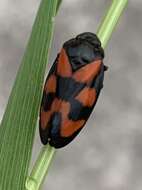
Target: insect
71 89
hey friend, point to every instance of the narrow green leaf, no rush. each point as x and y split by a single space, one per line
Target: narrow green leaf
58 5
19 121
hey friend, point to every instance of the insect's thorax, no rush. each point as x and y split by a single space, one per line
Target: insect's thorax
80 55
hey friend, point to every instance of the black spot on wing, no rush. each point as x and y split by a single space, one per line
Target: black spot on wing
43 98
85 113
47 100
67 87
44 134
76 108
78 111
55 124
52 131
58 142
98 81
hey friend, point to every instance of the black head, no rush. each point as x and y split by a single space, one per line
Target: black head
83 49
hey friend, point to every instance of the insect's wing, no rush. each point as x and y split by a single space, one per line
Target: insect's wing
47 99
78 108
64 68
52 96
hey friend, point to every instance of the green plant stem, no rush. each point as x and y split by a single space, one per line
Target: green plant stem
109 22
40 168
104 33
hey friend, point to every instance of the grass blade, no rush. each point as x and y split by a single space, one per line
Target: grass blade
19 121
58 5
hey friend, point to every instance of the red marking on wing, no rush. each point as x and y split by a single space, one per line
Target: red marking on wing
87 96
55 107
50 85
58 105
65 109
64 68
69 127
88 72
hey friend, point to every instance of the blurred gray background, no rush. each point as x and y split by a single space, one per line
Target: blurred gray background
107 155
